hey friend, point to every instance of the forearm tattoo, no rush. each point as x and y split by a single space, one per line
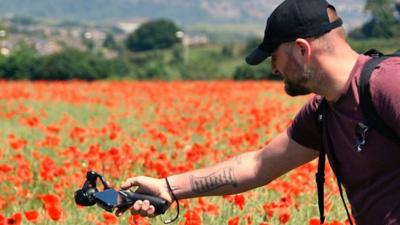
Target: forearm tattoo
213 181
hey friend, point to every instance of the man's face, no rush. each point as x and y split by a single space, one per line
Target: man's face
296 76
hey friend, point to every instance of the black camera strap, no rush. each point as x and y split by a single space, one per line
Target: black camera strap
175 199
320 176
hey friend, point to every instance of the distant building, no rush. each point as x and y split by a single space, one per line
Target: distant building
45 47
129 26
4 51
197 39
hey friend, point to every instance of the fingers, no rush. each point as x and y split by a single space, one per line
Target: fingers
151 211
137 206
143 208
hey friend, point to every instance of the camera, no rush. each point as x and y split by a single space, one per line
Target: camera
109 198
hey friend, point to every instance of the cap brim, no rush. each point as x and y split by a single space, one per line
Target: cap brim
257 56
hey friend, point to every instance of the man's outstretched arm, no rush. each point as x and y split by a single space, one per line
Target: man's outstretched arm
243 172
238 174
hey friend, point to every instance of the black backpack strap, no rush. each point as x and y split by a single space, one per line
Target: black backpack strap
373 119
320 176
374 53
336 170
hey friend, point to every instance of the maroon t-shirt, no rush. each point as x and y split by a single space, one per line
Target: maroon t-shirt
371 177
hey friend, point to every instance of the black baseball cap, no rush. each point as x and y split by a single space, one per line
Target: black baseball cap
293 19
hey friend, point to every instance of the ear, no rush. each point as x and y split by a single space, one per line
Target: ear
304 48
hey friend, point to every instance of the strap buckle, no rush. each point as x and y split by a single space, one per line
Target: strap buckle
361 131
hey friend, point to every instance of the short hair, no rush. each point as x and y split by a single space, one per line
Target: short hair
332 15
326 42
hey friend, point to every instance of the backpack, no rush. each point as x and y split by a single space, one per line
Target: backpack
373 121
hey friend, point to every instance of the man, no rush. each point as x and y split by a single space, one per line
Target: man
309 50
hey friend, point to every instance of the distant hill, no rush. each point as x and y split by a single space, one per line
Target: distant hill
185 12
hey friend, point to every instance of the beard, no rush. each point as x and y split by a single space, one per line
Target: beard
294 89
297 86
298 78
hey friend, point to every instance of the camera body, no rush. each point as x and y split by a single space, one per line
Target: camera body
108 199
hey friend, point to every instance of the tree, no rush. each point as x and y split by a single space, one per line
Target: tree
110 42
156 34
261 72
251 44
383 21
87 40
21 64
72 64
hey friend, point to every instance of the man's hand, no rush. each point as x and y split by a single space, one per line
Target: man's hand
146 185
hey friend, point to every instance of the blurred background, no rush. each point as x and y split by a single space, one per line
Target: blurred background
160 39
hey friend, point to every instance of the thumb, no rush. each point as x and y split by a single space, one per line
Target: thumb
130 182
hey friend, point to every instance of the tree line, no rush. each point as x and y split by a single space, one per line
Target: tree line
153 51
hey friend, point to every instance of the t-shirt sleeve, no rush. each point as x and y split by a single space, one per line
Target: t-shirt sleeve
385 92
304 129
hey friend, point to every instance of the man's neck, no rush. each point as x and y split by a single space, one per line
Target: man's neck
338 69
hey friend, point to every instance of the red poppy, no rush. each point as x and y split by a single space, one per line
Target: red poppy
234 221
192 218
32 215
15 219
110 218
138 220
54 212
5 168
53 129
239 201
335 222
2 219
18 144
314 221
49 199
207 207
284 218
31 121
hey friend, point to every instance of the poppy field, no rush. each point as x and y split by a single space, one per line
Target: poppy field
52 133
